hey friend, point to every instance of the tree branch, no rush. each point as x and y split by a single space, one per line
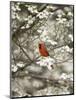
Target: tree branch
56 82
18 44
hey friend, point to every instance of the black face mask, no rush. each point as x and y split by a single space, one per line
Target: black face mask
40 46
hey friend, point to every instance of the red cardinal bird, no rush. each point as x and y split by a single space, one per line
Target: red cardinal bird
42 49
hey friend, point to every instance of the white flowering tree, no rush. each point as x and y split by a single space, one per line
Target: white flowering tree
32 74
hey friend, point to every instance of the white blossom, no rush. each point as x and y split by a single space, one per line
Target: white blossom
64 19
61 20
35 11
13 15
32 9
70 76
43 14
51 7
46 61
68 24
63 76
17 8
71 37
20 64
52 42
67 48
18 17
27 26
14 68
39 31
25 19
23 27
13 8
70 14
30 21
59 15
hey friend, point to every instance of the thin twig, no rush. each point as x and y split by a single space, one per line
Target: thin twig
18 44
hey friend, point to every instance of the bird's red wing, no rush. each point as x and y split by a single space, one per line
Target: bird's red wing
43 51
